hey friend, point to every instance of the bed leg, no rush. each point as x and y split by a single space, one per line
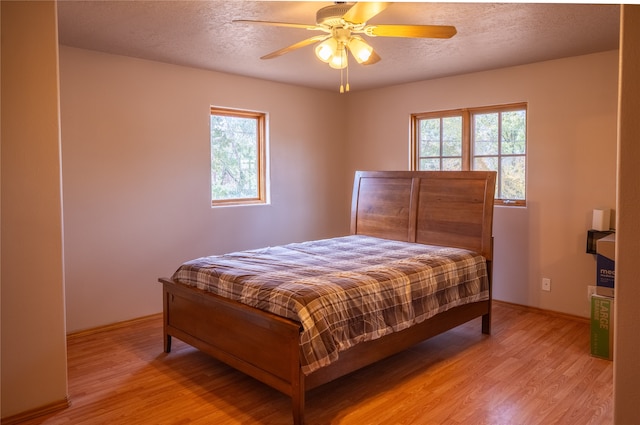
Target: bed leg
298 408
168 298
298 416
486 318
167 343
297 394
486 324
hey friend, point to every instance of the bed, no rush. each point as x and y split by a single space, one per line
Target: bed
424 238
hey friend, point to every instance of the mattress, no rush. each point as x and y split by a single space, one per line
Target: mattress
344 290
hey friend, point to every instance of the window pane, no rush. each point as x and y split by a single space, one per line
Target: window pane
430 148
486 163
485 134
430 164
234 157
452 136
512 177
451 164
514 132
430 137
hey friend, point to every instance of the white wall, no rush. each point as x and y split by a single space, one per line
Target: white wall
136 176
34 363
571 164
136 182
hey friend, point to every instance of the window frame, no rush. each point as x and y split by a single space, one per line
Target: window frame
261 156
468 156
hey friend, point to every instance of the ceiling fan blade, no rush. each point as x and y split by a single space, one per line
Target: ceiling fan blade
411 31
362 12
295 46
277 24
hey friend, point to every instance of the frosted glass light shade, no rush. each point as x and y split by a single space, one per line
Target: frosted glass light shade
326 49
339 59
359 49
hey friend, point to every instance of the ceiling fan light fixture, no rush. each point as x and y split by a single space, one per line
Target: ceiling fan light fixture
339 59
327 49
340 23
360 50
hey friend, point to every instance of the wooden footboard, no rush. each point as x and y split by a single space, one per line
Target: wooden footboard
258 343
369 352
266 346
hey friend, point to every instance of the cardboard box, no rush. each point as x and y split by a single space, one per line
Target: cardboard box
599 290
602 327
601 219
605 261
592 239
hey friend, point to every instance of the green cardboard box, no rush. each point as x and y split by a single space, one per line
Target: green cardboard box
602 326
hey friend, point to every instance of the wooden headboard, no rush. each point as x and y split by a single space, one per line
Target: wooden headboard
447 208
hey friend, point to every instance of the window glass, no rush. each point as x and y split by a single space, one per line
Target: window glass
440 143
514 135
499 144
512 177
485 131
237 157
452 136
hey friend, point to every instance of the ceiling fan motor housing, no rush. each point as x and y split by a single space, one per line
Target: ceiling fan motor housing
331 16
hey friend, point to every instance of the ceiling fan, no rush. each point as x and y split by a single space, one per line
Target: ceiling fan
342 24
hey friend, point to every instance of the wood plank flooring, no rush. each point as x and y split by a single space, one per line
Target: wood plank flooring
535 368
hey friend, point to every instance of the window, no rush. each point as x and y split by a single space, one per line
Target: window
238 167
439 143
492 139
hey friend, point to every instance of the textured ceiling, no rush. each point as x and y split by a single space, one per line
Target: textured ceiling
200 34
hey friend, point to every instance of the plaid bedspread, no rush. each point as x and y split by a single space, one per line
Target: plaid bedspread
344 290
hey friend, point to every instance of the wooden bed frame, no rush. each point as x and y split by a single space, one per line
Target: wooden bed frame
438 208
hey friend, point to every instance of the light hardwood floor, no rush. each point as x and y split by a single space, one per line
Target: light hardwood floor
535 368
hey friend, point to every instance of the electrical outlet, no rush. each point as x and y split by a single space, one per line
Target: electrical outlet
546 284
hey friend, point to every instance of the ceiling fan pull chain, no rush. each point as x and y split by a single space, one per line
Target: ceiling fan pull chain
347 72
341 80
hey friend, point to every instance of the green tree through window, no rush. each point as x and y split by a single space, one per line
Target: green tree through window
499 144
491 139
237 157
440 142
